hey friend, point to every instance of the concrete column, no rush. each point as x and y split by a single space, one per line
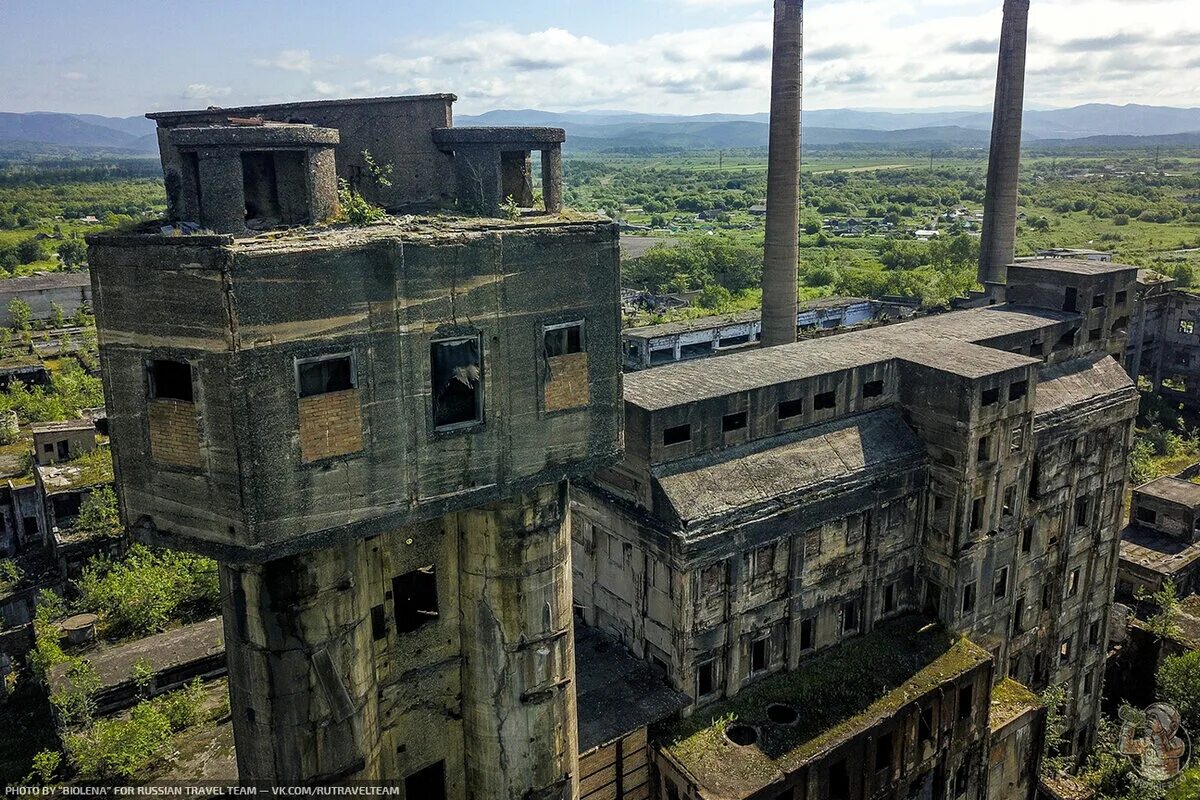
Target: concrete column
782 251
519 715
998 247
302 684
516 177
223 203
552 179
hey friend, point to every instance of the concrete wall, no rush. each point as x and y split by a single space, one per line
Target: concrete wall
68 291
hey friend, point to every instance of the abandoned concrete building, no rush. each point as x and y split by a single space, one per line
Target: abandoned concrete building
778 503
379 461
1162 542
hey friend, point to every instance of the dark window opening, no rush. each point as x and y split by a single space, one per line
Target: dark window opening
1147 515
850 617
1095 335
66 506
1010 501
457 373
925 725
677 435
734 422
1122 297
1035 479
889 598
734 341
1094 633
416 599
933 598
883 752
1081 511
662 356
1018 390
1098 301
1073 583
428 784
1064 651
824 400
839 782
1047 596
1019 616
808 633
985 449
962 781
64 450
1120 325
564 340
1066 341
1070 299
872 389
325 375
990 397
1087 684
977 514
171 380
791 408
1000 590
1027 539
48 447
698 350
966 702
378 623
968 599
758 655
706 679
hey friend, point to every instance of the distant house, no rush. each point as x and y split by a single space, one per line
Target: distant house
759 210
67 290
925 235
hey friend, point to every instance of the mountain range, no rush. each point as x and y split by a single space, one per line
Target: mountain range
1093 124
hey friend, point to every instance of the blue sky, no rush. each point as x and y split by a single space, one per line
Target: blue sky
124 57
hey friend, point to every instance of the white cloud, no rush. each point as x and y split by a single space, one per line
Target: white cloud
289 61
73 76
202 91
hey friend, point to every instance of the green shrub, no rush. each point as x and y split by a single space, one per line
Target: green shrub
77 703
45 767
121 748
98 515
183 708
1179 685
355 209
10 574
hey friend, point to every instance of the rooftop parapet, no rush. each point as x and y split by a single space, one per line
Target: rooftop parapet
493 165
255 177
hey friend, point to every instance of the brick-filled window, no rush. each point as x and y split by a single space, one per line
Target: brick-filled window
415 598
325 375
566 367
170 380
564 340
457 382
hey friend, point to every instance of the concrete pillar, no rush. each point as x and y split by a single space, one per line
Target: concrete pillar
552 179
998 247
516 177
302 683
782 251
223 201
519 715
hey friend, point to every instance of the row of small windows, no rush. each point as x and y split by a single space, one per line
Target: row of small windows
1071 299
1016 391
456 374
785 410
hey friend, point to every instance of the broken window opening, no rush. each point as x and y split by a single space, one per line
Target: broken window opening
925 725
1066 341
1073 583
325 375
808 629
789 409
1082 515
415 597
1001 589
1018 390
378 623
1122 297
872 389
850 621
825 401
839 781
1094 633
889 598
678 434
1010 501
564 340
170 380
457 375
1095 335
662 355
1027 539
968 599
977 514
990 397
1016 441
733 341
1147 515
966 702
985 450
1070 299
706 678
759 656
698 350
1064 651
883 752
734 422
1019 616
64 451
1099 301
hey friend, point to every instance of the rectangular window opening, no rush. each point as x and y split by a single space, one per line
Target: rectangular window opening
824 401
1001 588
966 702
325 375
415 597
378 623
990 397
1099 301
679 434
925 726
850 619
977 514
706 682
968 599
731 423
759 655
808 629
457 376
889 598
789 409
1018 390
1070 299
883 752
872 389
564 340
839 781
985 449
171 380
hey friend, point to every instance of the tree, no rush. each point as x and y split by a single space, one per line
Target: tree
1179 684
1164 623
29 251
20 313
57 318
72 253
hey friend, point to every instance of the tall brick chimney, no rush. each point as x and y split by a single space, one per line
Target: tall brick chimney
782 252
1004 166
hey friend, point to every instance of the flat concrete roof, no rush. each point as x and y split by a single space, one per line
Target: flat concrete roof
1074 266
617 694
234 111
67 425
705 379
1072 382
1155 551
1173 490
740 318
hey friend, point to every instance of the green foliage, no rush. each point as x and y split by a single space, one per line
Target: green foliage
120 749
1141 462
381 174
20 313
10 575
98 515
1112 775
29 250
72 253
143 676
71 390
148 589
47 650
355 209
45 768
733 264
76 704
183 708
1164 622
57 318
1054 698
1178 682
510 210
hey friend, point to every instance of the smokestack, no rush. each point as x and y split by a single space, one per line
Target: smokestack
1004 165
782 252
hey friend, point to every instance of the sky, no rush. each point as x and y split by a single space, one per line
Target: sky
127 57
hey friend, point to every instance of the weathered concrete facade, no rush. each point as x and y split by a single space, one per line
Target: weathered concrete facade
372 430
970 466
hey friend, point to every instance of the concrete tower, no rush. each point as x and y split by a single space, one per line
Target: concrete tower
782 251
372 430
1004 165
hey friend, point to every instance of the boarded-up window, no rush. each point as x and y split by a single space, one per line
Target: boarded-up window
457 378
566 368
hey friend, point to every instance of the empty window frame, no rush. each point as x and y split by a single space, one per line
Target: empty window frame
1027 539
456 367
1064 651
563 340
925 725
1018 390
1019 616
1094 633
808 633
1147 515
170 380
706 678
1070 299
415 598
731 423
889 598
1082 511
762 562
1000 590
325 375
977 514
984 453
990 397
872 389
839 781
677 434
966 702
824 401
968 598
1099 301
850 617
883 752
790 409
1016 439
1073 583
760 655
1095 335
1010 501
1122 297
